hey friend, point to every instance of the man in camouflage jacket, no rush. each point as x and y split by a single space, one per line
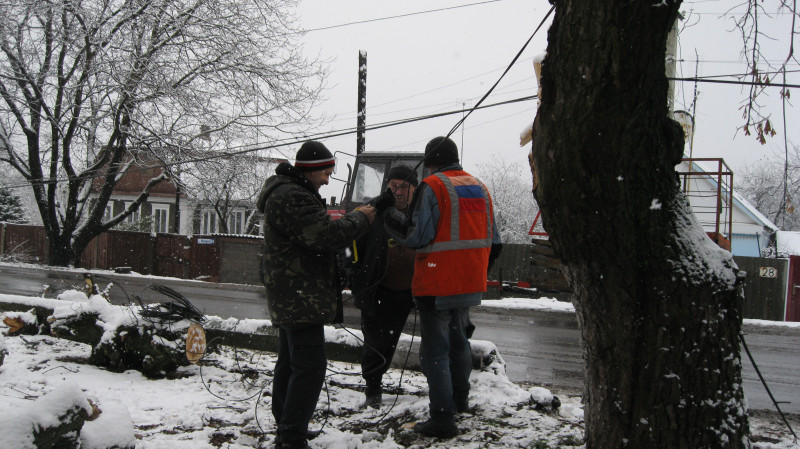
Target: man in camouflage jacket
301 280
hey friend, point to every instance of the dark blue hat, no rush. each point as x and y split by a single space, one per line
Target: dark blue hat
441 151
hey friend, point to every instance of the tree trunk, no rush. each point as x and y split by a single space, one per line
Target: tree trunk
60 252
658 304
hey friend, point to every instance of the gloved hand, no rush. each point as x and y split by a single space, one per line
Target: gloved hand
383 201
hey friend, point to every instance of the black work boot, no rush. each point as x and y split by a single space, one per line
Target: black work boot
440 427
301 444
373 401
374 396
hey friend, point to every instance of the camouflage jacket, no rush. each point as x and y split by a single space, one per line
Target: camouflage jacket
300 240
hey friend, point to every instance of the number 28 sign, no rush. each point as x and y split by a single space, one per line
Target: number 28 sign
768 272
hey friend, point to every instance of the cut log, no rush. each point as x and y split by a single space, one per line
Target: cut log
157 354
82 328
21 323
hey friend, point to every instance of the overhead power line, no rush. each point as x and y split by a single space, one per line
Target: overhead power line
378 19
513 61
326 135
741 83
386 124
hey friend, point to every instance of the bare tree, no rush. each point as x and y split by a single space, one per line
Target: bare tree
763 183
761 70
84 83
514 205
228 183
659 305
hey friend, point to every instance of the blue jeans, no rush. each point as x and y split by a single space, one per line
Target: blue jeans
445 356
297 381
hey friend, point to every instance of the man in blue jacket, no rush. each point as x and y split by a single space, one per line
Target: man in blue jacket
452 226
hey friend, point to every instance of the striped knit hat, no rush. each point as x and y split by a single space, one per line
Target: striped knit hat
313 156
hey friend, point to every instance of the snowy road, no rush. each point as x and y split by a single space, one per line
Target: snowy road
540 346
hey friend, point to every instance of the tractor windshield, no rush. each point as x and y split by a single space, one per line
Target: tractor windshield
368 181
371 169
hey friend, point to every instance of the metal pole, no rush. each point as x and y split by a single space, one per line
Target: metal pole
463 110
362 102
671 62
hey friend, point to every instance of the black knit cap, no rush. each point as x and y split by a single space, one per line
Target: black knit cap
441 151
404 173
313 156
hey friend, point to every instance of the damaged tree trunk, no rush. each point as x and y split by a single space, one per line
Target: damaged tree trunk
659 306
157 353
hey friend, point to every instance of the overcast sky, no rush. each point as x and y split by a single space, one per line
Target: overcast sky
432 62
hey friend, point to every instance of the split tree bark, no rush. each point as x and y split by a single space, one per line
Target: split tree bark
658 304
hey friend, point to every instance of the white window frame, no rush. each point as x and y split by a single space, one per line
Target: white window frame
236 221
208 221
107 214
164 225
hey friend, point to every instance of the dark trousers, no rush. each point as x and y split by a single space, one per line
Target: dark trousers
382 326
298 378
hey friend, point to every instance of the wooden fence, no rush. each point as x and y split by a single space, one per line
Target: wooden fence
235 259
214 258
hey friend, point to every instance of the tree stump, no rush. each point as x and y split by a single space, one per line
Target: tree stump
70 407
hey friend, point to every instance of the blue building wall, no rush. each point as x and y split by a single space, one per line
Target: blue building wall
746 245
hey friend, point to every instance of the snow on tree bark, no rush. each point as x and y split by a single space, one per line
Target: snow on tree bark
658 305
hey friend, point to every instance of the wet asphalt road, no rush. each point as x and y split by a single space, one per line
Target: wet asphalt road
540 347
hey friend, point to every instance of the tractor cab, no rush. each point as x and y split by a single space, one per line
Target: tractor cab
369 174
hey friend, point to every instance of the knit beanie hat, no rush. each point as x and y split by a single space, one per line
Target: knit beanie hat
441 151
405 173
313 156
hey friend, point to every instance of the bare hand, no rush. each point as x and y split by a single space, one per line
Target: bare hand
367 210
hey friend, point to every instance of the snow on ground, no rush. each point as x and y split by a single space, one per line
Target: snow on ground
224 402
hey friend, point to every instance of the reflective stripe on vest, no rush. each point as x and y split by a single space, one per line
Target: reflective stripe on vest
454 242
455 261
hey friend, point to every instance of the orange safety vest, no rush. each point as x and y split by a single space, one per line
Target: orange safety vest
455 262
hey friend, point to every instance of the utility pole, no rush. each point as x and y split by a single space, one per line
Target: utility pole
362 102
463 110
671 62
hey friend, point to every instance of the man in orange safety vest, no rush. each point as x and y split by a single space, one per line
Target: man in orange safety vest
452 227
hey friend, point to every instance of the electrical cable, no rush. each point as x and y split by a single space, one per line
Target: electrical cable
382 125
207 386
740 83
513 61
318 136
766 387
179 309
359 22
